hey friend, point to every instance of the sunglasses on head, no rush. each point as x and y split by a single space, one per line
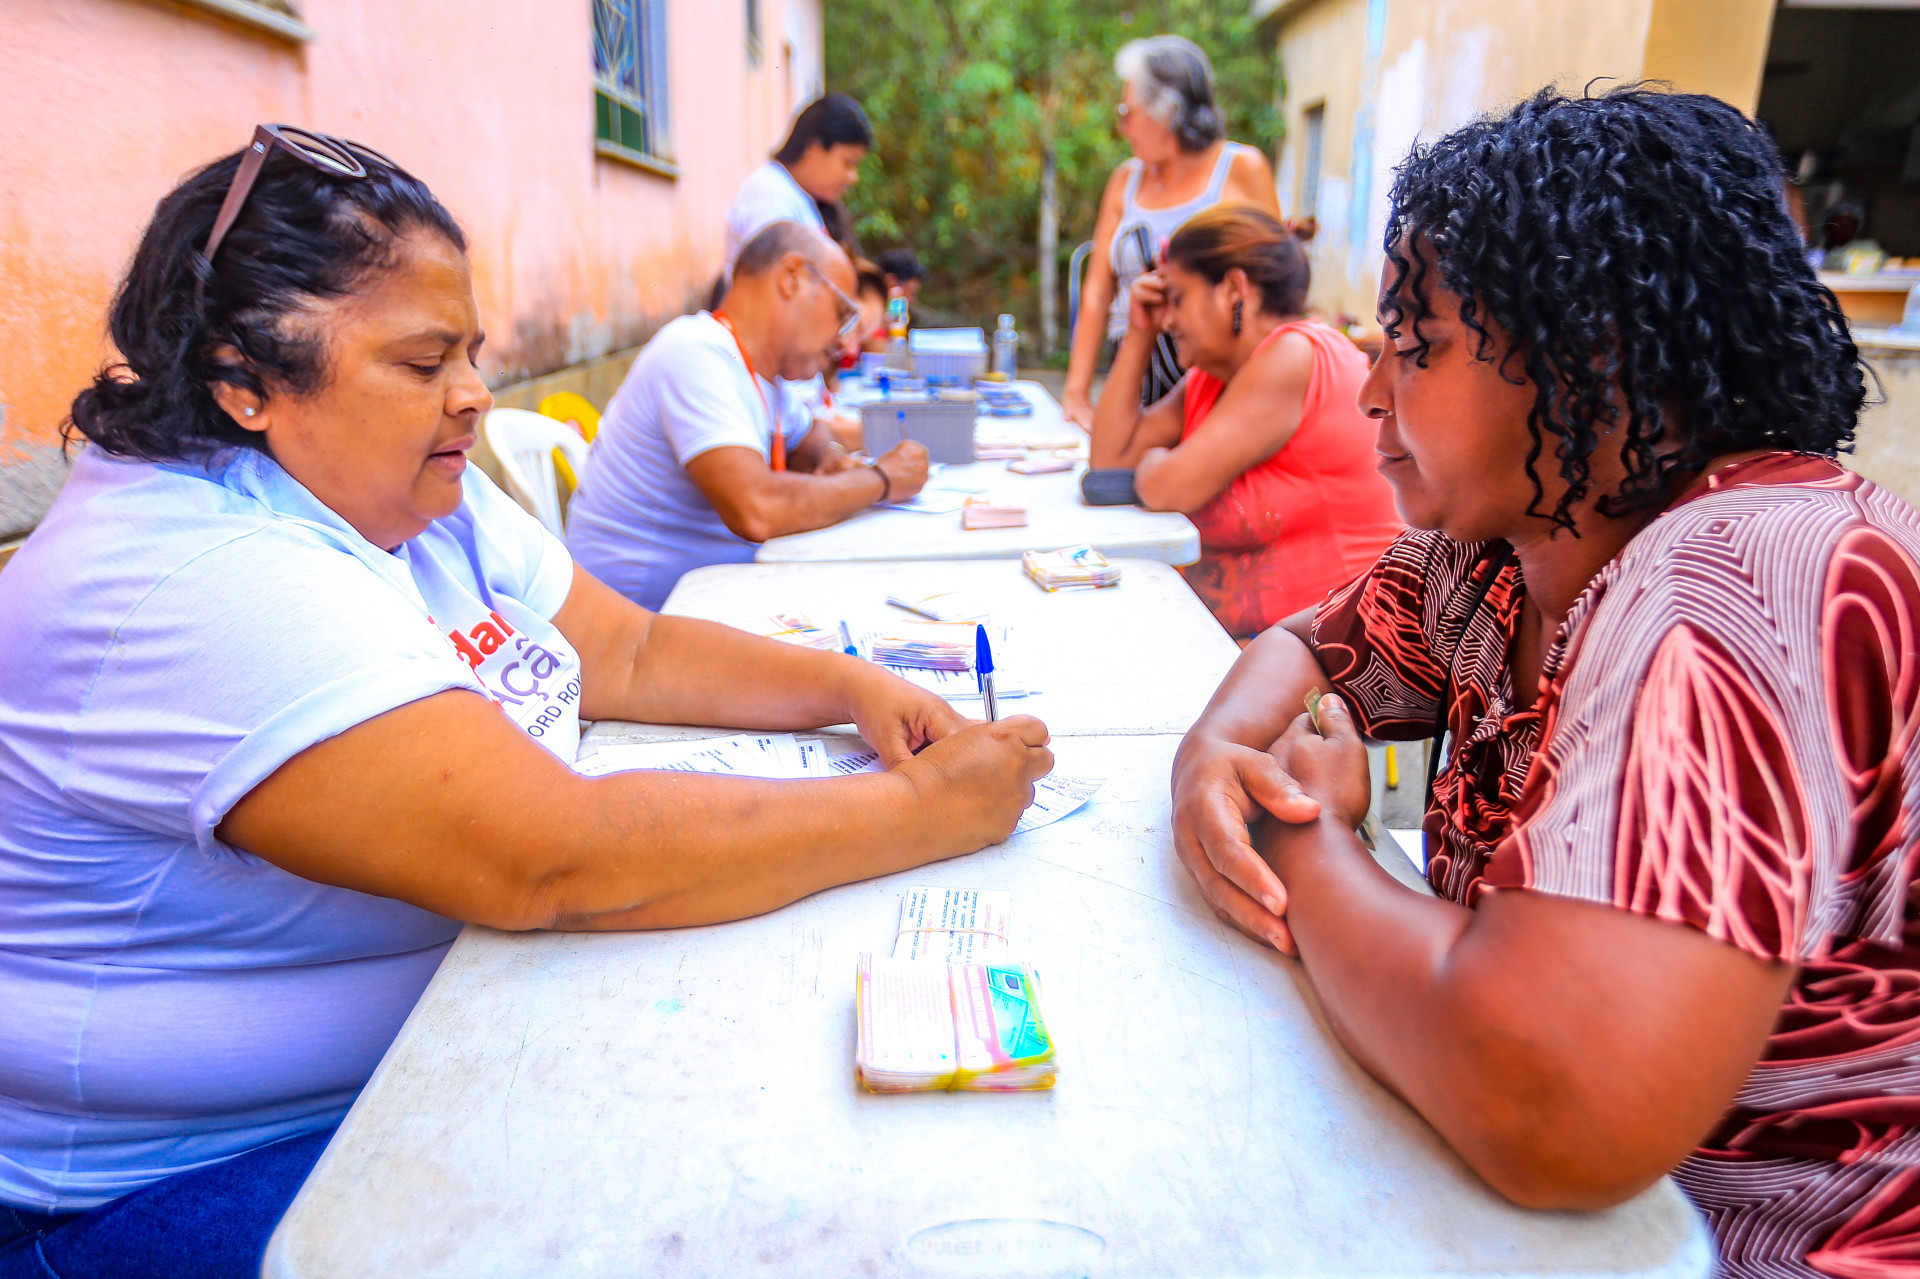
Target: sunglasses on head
322 151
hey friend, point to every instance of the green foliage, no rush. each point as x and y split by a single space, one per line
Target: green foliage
965 97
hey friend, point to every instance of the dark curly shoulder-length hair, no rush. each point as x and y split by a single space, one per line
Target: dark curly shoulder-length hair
1632 255
183 325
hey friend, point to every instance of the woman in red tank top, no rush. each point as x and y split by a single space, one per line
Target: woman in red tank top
1262 444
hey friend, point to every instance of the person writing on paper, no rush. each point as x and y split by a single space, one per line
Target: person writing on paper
696 460
1182 163
1673 923
812 169
305 695
1262 442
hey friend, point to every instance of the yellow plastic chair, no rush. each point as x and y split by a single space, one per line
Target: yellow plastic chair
531 449
577 411
571 406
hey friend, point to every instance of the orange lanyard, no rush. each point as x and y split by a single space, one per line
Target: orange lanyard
779 440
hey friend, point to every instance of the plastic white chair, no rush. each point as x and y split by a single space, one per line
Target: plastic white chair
524 442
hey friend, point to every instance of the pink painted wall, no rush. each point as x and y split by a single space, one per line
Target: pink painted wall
104 104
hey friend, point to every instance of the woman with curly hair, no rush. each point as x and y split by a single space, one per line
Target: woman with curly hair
1674 645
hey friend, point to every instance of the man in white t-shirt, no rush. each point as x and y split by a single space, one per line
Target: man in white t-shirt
818 162
695 463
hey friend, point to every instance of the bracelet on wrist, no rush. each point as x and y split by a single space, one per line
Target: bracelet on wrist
886 485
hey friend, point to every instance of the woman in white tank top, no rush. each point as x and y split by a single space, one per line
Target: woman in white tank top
1182 164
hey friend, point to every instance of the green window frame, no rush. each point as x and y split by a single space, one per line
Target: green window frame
630 117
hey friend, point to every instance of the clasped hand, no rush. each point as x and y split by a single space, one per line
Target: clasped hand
1223 790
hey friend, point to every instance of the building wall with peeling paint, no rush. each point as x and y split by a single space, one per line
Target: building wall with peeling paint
1386 72
109 102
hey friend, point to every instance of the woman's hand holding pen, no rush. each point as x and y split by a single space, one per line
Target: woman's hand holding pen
974 784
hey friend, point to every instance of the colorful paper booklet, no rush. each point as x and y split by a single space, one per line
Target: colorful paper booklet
986 512
1076 568
948 1010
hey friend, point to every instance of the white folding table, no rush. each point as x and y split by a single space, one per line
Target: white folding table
682 1103
1140 657
1056 515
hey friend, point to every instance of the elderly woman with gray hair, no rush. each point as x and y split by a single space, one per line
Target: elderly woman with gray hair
1182 163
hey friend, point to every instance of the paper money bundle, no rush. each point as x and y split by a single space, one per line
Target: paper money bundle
981 512
931 646
1076 568
948 1010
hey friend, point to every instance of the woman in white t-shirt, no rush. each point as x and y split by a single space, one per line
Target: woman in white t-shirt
304 694
807 176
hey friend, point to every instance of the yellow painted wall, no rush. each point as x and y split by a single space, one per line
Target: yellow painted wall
1710 46
1440 63
1324 53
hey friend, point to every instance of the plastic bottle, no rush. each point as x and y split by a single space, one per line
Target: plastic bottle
1006 351
899 355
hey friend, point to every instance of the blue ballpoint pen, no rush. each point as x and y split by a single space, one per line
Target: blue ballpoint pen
983 669
846 640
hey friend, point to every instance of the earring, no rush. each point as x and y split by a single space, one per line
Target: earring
1236 317
249 409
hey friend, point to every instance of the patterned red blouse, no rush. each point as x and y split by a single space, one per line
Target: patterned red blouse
1724 738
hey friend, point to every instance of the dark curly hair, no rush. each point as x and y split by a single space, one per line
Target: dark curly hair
182 326
1634 252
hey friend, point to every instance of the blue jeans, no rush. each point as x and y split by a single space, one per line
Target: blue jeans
212 1223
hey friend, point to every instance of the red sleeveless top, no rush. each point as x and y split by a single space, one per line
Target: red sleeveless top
1309 519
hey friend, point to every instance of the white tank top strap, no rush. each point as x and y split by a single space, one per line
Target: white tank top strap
1123 252
1222 170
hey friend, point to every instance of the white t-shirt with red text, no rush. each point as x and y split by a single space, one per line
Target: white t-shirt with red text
178 633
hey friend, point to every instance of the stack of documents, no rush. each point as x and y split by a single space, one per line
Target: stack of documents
927 646
982 512
784 756
1076 568
949 1009
954 682
777 755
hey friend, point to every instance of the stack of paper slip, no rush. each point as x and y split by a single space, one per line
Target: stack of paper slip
927 1027
956 683
949 1010
963 686
982 512
934 646
997 452
1073 569
798 628
1044 465
953 924
944 606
